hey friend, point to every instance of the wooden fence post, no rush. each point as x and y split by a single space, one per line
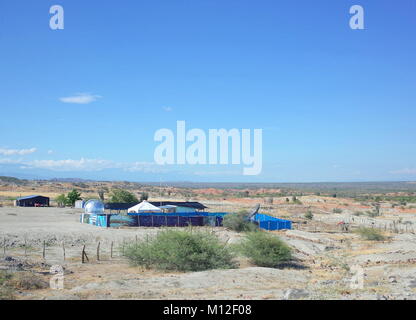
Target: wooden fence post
84 255
98 251
63 249
4 246
111 250
44 249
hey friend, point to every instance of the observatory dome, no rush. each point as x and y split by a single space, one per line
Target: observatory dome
94 206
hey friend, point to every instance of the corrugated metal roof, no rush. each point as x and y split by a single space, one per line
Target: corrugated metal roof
125 206
189 204
30 197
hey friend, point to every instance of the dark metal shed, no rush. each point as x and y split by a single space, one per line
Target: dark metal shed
32 201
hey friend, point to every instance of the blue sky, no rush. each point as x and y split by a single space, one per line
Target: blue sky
334 104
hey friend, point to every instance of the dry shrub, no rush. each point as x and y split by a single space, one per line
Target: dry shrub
370 234
27 281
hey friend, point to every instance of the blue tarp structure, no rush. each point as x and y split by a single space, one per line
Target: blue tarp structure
156 219
177 219
271 223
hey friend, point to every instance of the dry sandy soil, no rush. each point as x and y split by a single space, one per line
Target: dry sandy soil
328 257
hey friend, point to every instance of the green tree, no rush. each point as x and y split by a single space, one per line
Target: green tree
61 200
123 196
73 196
144 196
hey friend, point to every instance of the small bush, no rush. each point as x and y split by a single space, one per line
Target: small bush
265 250
12 282
372 214
370 234
6 293
337 210
237 222
182 251
27 281
5 277
309 215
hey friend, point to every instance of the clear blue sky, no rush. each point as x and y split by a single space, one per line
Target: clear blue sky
334 104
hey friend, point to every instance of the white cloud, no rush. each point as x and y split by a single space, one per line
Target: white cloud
80 98
404 171
84 164
20 152
168 109
72 165
50 151
142 167
9 161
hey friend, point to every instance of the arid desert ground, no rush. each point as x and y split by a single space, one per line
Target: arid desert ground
328 260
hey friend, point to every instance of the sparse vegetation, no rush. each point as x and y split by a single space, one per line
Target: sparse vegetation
309 215
370 234
6 293
27 281
237 222
123 196
144 196
295 200
182 250
265 250
10 282
73 196
337 210
372 214
61 200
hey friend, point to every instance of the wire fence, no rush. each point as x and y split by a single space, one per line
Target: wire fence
62 251
384 225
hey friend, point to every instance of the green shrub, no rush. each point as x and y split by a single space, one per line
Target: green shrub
337 210
120 195
370 234
309 215
237 222
265 250
6 293
372 214
181 250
